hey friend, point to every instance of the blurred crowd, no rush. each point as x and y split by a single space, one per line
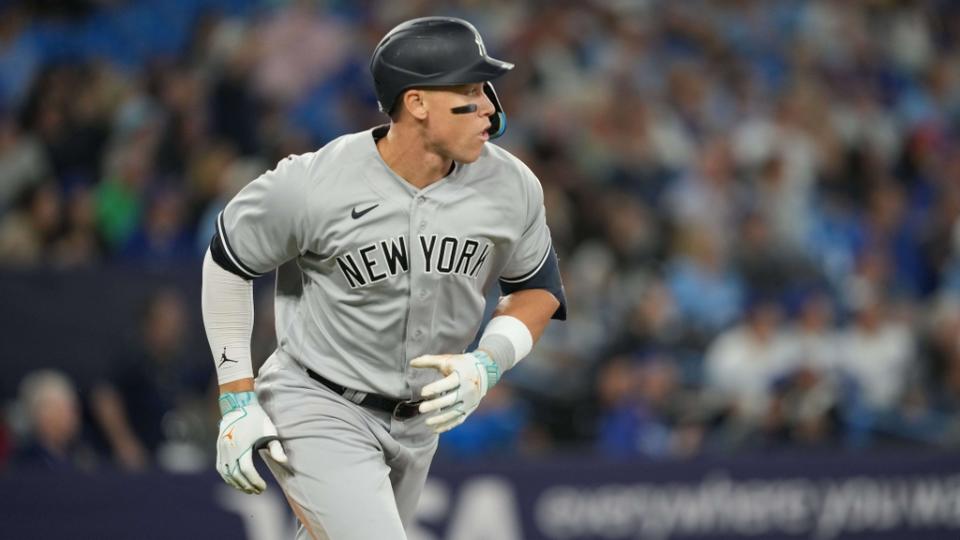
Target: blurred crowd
755 204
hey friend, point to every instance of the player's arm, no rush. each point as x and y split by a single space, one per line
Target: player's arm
518 322
257 231
227 306
528 305
532 307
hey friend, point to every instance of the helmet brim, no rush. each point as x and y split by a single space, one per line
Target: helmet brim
490 68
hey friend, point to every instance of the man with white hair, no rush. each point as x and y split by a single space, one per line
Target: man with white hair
49 403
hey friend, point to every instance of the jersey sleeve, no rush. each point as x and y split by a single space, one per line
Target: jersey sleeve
533 264
263 226
531 250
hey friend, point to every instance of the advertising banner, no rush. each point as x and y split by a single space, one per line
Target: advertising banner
824 497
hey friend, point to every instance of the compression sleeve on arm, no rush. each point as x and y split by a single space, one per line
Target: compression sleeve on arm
227 306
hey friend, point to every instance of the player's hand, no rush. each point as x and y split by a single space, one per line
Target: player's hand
467 379
245 427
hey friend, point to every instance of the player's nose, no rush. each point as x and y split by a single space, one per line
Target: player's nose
486 106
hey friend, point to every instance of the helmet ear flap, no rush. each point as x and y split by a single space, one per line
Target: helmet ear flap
498 121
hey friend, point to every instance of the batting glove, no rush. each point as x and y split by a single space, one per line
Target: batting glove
467 379
245 427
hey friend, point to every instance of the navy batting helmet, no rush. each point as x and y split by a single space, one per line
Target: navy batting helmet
435 51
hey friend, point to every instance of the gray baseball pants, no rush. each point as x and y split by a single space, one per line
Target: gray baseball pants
354 473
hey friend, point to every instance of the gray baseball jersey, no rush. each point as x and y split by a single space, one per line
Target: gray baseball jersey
374 272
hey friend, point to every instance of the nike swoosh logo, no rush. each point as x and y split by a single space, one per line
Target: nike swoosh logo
357 215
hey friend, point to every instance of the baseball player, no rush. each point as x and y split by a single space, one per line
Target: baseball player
384 242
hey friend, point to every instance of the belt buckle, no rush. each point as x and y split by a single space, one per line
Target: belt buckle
396 410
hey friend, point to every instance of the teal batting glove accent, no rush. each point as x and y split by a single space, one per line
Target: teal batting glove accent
466 379
487 364
232 401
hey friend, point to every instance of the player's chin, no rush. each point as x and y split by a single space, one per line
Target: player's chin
471 152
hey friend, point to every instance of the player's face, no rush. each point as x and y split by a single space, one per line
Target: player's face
459 136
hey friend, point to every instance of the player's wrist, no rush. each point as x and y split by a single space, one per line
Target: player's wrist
232 401
507 340
242 385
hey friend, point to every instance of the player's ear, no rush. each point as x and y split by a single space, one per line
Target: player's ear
415 103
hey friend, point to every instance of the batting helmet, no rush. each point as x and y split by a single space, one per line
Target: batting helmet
435 51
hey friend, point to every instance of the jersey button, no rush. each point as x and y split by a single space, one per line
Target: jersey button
424 293
417 334
423 225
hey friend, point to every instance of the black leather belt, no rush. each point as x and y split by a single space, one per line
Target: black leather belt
400 409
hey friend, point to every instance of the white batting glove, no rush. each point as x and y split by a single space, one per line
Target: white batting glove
467 379
245 427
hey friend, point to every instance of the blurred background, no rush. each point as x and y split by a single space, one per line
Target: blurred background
756 204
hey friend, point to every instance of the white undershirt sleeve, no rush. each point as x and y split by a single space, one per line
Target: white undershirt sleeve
227 306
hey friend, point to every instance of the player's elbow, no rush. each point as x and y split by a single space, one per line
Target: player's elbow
551 300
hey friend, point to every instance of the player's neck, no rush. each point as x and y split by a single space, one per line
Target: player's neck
407 155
